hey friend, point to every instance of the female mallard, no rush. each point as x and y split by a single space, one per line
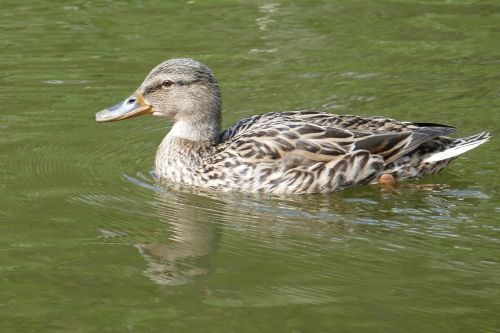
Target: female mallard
279 152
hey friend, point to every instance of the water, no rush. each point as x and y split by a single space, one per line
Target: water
89 243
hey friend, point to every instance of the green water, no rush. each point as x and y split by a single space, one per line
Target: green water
89 243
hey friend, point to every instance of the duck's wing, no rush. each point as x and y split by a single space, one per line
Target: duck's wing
292 148
341 133
373 125
277 139
291 157
263 120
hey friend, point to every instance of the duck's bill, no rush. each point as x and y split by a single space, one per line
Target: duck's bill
131 107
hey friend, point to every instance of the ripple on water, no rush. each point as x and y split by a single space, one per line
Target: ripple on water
69 82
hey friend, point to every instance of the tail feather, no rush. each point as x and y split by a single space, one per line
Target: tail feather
459 147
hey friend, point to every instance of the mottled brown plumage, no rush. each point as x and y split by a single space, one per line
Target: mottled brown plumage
279 152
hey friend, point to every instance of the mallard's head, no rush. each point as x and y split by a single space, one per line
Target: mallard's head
179 89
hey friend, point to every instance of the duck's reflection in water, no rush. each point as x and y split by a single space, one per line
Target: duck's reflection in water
182 250
194 221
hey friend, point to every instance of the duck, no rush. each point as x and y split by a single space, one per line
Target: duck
290 152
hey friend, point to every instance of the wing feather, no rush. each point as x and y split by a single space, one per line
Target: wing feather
305 151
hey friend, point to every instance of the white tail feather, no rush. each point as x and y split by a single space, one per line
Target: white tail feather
466 145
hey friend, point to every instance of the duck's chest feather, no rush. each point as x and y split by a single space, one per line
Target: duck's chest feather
179 159
206 164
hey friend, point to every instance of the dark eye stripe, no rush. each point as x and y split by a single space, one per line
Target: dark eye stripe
151 89
148 90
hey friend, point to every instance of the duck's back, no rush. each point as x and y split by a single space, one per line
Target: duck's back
369 125
306 151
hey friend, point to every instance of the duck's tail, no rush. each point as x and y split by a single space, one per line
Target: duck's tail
459 147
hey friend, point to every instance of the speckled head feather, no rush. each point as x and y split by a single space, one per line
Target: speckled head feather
185 91
183 70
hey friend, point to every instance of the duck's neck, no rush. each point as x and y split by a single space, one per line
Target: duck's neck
184 148
196 131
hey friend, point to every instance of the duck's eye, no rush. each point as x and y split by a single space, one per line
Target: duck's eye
166 83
